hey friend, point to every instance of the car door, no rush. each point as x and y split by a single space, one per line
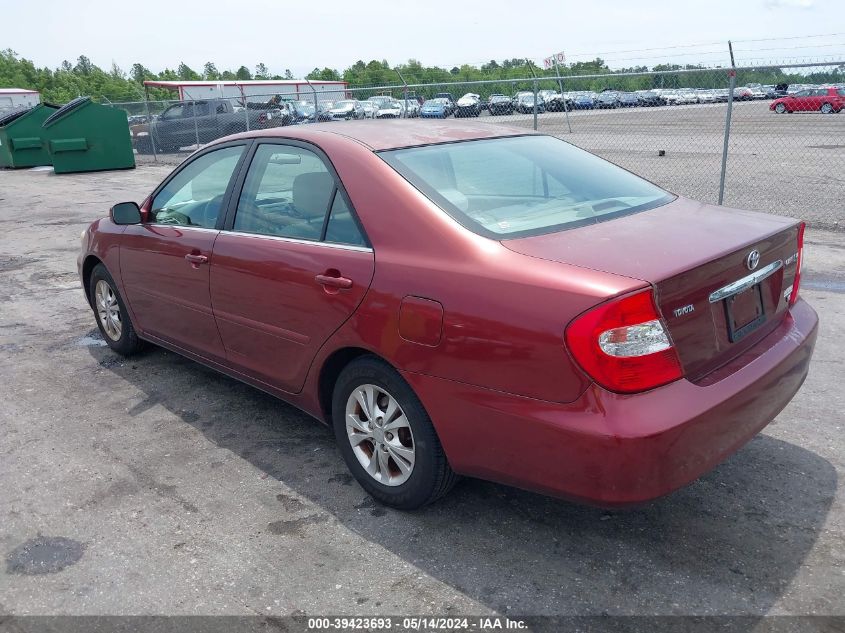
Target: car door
803 101
291 266
169 127
164 261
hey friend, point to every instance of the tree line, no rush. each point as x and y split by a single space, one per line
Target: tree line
70 80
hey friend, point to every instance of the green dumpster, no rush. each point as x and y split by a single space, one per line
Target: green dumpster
21 137
86 136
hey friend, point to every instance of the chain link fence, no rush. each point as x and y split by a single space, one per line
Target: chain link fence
712 135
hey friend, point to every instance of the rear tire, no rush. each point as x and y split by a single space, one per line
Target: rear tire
386 436
826 108
111 314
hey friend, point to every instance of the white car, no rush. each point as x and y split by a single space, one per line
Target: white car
687 96
370 109
412 107
706 96
390 110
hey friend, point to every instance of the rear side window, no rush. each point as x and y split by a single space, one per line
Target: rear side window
287 193
521 186
342 227
290 192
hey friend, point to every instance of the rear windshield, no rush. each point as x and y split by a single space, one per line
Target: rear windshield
521 186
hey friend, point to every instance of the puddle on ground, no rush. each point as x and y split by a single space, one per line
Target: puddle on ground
44 555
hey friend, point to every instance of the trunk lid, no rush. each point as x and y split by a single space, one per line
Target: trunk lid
688 251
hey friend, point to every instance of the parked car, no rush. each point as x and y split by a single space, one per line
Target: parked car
743 94
686 96
706 96
584 101
649 98
607 99
389 110
302 111
370 109
188 123
626 339
824 100
779 90
445 95
379 100
347 109
435 109
468 105
411 107
557 102
628 100
525 104
721 94
500 104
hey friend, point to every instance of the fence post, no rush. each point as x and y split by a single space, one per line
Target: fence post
404 94
732 85
196 129
150 124
562 94
316 103
535 105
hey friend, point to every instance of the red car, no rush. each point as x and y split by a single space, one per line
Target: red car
824 100
465 299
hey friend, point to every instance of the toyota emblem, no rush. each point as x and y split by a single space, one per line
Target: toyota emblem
753 259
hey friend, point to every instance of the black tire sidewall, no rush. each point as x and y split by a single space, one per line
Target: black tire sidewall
128 341
421 485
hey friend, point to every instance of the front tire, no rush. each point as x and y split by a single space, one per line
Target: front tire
780 108
826 108
386 436
111 314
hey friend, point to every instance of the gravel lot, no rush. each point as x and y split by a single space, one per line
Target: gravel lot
180 491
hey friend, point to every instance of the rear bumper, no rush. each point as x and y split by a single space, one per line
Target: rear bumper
611 449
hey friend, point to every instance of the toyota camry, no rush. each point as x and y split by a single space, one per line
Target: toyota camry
465 299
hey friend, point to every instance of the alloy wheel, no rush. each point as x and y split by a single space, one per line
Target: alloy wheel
380 435
108 309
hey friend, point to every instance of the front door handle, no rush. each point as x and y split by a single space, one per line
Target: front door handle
196 260
333 281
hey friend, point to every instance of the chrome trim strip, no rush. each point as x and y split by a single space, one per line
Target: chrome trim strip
735 287
293 240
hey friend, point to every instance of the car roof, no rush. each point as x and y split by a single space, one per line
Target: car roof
392 134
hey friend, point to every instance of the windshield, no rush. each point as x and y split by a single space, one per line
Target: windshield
343 104
525 185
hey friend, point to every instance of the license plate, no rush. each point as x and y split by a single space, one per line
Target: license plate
744 312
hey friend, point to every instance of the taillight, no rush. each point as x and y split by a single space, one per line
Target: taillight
623 344
793 297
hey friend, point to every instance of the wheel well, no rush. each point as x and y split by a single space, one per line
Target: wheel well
329 373
87 266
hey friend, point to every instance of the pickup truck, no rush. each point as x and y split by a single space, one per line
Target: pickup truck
183 124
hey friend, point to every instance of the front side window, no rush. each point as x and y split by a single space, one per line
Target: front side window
194 196
520 186
287 193
173 112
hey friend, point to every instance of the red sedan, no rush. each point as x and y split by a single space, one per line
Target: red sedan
824 100
465 299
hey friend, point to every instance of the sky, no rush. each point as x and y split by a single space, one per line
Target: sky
300 36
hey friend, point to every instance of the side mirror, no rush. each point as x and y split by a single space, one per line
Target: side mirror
125 213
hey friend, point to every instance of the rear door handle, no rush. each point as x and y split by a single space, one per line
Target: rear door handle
330 281
196 260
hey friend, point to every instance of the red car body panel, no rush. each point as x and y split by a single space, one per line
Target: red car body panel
812 103
272 316
476 326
